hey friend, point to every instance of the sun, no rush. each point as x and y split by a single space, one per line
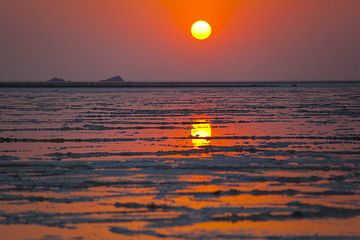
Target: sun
201 30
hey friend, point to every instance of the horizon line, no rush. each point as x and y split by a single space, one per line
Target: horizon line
186 81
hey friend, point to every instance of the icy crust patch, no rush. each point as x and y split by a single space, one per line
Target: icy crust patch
152 214
68 173
163 181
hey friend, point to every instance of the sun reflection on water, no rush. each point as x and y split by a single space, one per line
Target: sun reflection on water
201 133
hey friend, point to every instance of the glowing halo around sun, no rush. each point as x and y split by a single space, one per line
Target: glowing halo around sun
201 30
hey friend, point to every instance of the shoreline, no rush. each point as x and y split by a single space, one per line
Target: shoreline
169 84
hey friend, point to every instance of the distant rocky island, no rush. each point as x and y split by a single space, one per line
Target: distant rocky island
112 80
116 79
57 80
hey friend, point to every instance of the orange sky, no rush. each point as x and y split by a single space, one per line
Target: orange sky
149 40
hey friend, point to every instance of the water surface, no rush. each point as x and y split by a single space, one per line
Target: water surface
204 163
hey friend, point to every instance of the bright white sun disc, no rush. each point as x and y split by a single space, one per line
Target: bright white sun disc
201 30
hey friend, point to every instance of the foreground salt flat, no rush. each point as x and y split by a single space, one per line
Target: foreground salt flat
252 163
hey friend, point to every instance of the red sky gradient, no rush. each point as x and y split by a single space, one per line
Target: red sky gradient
149 40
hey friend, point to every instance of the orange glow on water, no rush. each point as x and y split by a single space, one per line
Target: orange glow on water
201 132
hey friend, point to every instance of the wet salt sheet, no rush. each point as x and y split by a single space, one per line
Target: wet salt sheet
204 163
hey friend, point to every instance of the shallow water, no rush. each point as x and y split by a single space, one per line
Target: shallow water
249 163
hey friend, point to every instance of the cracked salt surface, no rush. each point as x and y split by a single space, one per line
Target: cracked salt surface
269 163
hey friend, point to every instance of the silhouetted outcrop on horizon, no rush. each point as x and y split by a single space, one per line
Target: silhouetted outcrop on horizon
116 79
110 81
56 80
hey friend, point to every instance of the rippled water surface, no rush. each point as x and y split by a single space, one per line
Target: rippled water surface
204 163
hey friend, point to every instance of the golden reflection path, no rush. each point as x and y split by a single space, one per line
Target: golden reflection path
201 133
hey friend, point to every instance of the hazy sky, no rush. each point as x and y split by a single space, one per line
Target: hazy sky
150 40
